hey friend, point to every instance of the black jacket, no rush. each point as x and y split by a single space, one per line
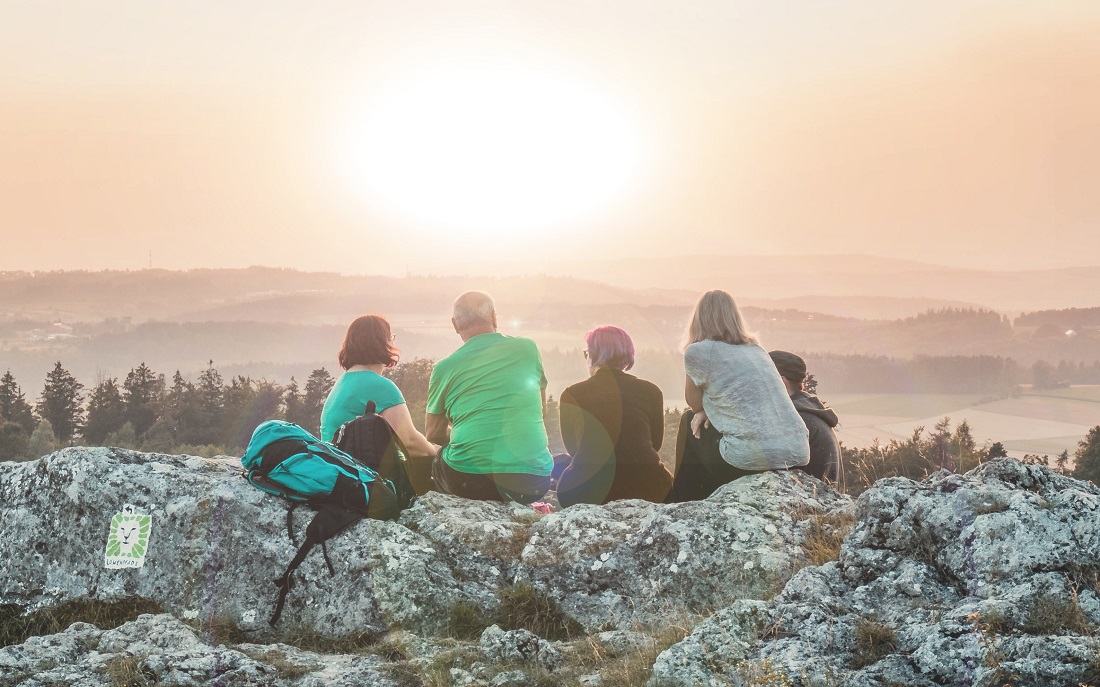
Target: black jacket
825 459
612 424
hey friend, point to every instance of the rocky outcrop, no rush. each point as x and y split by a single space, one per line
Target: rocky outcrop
980 579
158 649
216 543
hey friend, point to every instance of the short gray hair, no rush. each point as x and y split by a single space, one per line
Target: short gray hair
472 308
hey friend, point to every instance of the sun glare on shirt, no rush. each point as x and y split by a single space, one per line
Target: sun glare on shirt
491 151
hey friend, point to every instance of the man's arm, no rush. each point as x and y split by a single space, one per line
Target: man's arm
437 429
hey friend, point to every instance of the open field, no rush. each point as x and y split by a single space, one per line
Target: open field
1045 422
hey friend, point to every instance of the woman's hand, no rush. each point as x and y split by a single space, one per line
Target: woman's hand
699 421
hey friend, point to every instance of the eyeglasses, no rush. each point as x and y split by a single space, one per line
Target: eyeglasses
586 355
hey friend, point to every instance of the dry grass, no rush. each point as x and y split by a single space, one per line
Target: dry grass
874 641
634 668
764 674
1049 617
825 533
125 671
106 615
989 626
466 621
523 607
277 659
355 643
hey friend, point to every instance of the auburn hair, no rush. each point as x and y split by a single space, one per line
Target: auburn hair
369 341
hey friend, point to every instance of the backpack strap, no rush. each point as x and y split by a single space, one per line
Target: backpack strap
290 521
329 521
370 410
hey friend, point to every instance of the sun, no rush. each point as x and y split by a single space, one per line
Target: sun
494 150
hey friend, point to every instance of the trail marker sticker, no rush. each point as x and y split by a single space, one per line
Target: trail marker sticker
128 539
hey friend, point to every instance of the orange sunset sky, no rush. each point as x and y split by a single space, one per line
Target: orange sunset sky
367 137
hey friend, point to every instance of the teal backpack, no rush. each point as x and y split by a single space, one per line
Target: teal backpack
286 460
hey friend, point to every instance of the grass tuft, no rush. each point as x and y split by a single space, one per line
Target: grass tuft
825 533
764 674
355 643
874 641
1050 617
15 628
125 671
278 660
466 621
634 668
523 607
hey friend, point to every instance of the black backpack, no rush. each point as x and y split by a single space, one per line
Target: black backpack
373 442
286 460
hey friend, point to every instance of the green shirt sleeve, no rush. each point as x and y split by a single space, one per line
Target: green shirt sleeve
436 383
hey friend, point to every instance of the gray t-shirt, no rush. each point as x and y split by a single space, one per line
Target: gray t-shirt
745 400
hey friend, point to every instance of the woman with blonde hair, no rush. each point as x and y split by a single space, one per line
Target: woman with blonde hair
740 419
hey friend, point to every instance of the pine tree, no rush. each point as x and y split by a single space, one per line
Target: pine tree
247 404
1087 458
1062 460
165 433
209 405
293 404
144 391
318 386
13 404
60 403
13 441
106 412
43 440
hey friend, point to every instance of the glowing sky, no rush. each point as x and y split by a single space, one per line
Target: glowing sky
219 133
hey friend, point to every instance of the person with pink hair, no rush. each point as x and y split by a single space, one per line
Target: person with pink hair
612 425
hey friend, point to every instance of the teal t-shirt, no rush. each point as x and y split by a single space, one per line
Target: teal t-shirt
349 396
490 390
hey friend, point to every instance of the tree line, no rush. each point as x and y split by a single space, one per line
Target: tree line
954 450
207 417
212 416
144 411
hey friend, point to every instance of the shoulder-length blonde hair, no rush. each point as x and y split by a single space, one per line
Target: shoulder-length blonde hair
717 318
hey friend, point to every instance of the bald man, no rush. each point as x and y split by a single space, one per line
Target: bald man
485 407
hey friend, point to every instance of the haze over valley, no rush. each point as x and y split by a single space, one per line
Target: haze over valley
887 363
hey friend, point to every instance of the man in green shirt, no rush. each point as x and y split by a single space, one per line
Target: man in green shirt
485 407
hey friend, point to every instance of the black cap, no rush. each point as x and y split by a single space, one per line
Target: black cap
789 365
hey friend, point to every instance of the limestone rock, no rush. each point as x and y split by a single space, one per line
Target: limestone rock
518 646
954 580
160 649
216 544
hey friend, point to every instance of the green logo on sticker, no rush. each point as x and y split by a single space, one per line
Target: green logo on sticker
129 536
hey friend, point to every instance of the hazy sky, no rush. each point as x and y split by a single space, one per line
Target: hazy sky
228 133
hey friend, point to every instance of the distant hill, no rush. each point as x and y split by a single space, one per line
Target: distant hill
276 322
780 277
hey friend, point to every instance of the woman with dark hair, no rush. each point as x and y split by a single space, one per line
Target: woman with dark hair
740 419
612 425
367 351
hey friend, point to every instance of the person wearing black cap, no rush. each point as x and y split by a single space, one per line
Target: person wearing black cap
825 460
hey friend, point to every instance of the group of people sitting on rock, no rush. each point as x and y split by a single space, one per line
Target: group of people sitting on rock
485 435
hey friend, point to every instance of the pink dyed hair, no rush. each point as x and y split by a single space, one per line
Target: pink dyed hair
610 347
